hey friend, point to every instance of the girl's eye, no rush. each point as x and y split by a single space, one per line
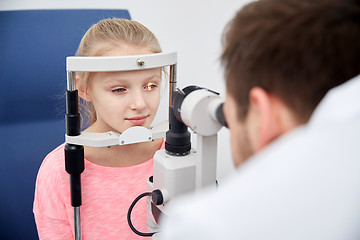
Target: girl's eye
150 86
119 90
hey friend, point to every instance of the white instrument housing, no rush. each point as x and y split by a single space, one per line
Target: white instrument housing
198 112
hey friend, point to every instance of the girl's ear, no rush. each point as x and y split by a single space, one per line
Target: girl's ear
83 90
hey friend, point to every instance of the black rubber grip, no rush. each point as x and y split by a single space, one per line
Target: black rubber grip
74 165
74 159
72 116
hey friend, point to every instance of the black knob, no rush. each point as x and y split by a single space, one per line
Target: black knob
157 197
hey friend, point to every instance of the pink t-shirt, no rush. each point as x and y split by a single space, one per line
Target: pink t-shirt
107 193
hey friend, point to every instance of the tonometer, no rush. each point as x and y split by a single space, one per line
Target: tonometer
178 168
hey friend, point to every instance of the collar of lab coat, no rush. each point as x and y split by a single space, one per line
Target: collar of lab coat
340 104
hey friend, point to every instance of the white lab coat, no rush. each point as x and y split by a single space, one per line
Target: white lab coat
305 185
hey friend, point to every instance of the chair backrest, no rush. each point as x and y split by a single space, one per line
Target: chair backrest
33 48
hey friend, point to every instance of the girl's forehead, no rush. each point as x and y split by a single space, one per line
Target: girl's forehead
137 76
124 49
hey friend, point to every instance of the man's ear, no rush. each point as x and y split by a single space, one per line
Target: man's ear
263 118
83 90
268 118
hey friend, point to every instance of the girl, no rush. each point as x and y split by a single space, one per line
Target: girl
113 177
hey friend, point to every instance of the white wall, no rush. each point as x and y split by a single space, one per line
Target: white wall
192 28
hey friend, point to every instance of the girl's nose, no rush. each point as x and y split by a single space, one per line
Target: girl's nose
138 101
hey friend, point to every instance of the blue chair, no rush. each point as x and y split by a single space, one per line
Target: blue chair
33 48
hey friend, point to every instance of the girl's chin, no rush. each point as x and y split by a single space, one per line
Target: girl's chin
145 125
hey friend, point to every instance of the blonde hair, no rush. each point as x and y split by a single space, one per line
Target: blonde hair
104 36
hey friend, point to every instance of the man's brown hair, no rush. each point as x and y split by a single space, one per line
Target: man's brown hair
294 49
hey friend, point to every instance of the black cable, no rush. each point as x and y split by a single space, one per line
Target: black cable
129 216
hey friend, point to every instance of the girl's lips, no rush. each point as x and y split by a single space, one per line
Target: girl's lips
137 120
